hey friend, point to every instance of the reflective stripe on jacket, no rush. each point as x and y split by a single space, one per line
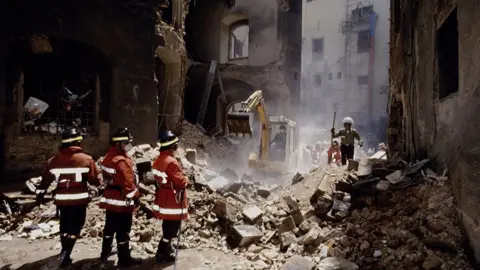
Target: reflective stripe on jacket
121 185
172 185
70 171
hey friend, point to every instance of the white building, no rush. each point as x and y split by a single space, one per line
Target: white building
345 60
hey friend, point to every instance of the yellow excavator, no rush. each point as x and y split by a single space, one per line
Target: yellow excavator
277 155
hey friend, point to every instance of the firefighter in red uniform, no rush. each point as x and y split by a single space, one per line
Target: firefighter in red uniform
70 170
171 198
120 198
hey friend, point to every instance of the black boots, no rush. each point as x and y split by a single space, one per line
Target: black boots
164 252
69 243
63 237
107 248
124 257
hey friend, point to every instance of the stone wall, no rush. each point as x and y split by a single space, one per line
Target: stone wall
124 35
422 124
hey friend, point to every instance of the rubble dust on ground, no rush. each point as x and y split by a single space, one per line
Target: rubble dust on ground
395 216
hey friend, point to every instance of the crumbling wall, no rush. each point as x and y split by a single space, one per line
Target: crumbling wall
127 42
444 129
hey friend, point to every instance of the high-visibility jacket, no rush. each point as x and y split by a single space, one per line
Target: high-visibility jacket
121 183
334 155
171 187
70 170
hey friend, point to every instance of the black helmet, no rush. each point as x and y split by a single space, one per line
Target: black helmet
167 140
71 135
122 135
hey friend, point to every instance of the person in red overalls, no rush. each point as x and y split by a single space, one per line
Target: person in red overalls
334 155
119 198
70 170
171 203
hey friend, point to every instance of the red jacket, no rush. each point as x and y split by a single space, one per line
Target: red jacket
171 184
121 185
70 170
334 155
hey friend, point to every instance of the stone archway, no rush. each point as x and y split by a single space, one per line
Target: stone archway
235 91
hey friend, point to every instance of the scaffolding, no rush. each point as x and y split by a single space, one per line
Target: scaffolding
359 22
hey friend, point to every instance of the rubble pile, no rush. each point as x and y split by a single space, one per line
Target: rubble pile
371 214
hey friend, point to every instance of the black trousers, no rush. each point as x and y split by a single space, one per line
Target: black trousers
119 224
347 153
170 228
72 219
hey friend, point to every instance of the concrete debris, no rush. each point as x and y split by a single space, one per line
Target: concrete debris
395 217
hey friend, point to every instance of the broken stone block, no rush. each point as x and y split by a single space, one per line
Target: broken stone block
298 263
288 224
244 235
305 226
395 177
217 183
297 217
252 213
297 178
316 195
144 147
343 186
415 168
264 192
340 206
382 185
312 235
334 263
225 210
291 203
431 262
143 165
323 205
232 187
191 155
229 174
286 239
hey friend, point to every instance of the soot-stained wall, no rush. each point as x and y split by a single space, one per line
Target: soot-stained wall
443 128
124 37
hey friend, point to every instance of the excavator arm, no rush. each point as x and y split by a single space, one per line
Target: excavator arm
239 122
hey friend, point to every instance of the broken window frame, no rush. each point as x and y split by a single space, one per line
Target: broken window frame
232 28
363 80
91 128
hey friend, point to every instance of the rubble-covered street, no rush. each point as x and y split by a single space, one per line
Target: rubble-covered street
386 214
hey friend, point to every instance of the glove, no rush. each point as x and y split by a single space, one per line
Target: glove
39 198
136 202
360 144
332 130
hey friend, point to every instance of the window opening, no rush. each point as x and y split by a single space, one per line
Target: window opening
238 44
339 75
317 48
447 53
363 41
318 80
66 85
363 80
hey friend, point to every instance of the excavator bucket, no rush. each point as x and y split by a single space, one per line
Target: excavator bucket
239 123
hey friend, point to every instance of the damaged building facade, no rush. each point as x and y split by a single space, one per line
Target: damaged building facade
435 92
95 65
237 47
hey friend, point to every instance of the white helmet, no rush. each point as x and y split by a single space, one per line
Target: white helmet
347 120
